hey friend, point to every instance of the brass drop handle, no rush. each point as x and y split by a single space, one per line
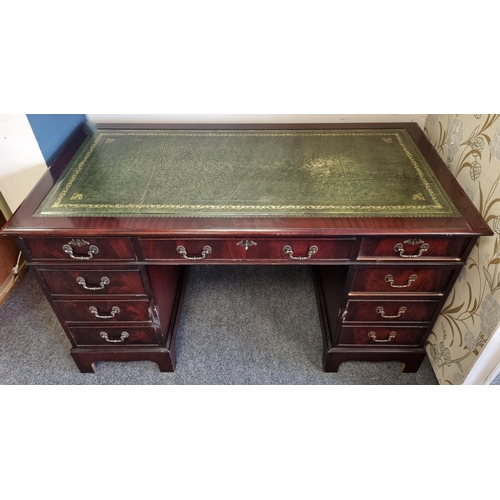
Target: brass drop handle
380 310
123 336
104 281
182 250
68 248
114 311
289 251
390 279
399 248
373 336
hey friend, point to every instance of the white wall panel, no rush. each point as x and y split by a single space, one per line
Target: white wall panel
22 163
257 118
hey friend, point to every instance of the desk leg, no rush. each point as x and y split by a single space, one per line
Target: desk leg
85 359
411 359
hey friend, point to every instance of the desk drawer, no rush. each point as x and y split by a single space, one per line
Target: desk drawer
106 311
412 248
187 251
276 249
390 311
90 282
114 336
300 250
401 279
382 336
80 249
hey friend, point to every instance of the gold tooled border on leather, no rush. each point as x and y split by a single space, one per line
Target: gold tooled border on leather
56 205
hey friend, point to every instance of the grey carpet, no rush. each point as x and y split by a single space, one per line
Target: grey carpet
239 325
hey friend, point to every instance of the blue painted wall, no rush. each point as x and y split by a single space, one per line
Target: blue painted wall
53 132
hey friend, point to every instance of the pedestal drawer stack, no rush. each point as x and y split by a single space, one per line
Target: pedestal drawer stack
393 294
103 298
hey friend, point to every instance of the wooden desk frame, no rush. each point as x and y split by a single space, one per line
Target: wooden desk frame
381 282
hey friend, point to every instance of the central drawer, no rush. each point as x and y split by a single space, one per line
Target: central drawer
277 250
106 311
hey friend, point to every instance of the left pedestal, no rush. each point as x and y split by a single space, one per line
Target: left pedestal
168 286
112 311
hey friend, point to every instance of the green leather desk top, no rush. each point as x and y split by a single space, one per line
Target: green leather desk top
259 173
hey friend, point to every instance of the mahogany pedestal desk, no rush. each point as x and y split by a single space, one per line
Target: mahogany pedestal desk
112 228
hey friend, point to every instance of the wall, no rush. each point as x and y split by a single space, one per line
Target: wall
470 146
53 132
27 144
22 163
257 118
